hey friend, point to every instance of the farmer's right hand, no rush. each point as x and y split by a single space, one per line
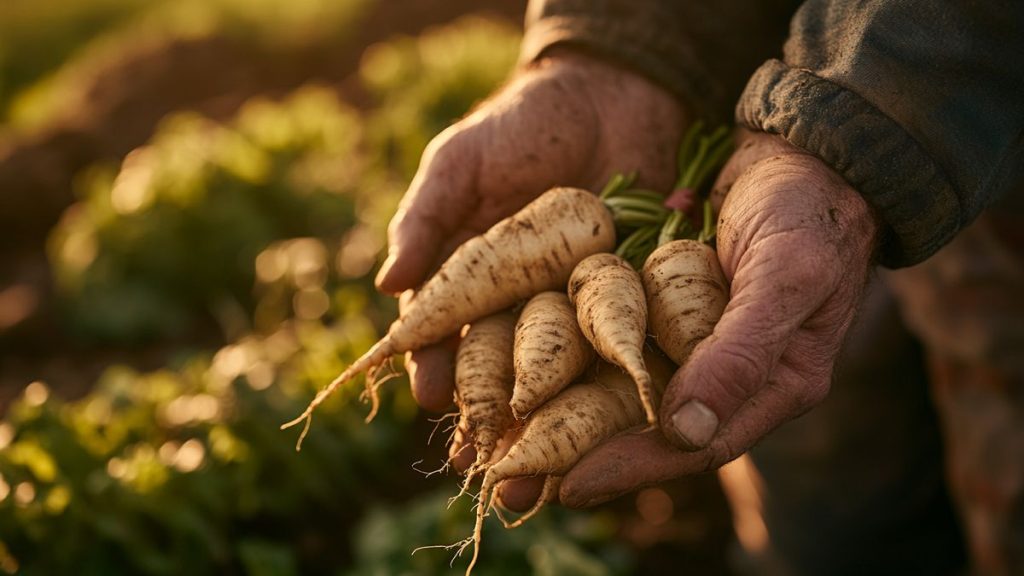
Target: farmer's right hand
797 244
568 120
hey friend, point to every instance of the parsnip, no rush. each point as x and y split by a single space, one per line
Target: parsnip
532 251
550 351
483 384
612 313
568 426
686 294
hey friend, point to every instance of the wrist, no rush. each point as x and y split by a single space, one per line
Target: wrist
847 220
851 223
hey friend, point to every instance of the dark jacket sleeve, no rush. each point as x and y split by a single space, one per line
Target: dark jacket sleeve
919 104
702 51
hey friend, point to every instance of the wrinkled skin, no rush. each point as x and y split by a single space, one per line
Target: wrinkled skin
795 242
568 120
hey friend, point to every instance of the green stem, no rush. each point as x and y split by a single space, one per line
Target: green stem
671 227
641 247
636 218
642 194
708 232
624 202
686 147
699 157
617 183
686 179
628 242
715 159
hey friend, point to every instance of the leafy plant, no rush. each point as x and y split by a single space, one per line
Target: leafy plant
423 84
558 543
49 49
170 240
182 470
178 229
269 224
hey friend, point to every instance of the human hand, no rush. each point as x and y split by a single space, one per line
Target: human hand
795 242
568 120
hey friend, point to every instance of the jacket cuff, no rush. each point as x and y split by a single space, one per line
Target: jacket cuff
916 200
635 38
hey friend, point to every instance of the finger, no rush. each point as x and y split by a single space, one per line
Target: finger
625 463
449 246
520 494
436 202
751 147
633 460
771 298
461 452
431 368
432 376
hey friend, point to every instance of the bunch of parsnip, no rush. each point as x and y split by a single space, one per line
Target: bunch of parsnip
568 330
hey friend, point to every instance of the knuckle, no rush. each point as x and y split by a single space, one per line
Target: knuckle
807 380
736 373
718 454
813 394
808 395
445 146
809 274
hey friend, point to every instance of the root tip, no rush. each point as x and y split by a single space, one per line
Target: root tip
652 419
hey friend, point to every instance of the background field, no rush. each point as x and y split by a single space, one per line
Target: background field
193 197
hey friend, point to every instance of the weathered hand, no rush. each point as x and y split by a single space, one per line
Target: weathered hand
568 120
795 242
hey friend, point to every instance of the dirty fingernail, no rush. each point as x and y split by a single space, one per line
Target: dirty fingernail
695 424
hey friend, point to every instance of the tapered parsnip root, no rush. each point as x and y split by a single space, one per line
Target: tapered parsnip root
550 351
483 385
686 294
612 313
559 433
531 251
548 494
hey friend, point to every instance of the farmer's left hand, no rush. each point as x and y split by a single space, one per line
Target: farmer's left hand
796 243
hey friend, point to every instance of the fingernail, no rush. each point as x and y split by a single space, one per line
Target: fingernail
695 424
385 269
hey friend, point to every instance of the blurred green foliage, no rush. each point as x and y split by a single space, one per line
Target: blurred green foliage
175 232
415 81
555 543
50 48
268 224
183 470
36 36
178 229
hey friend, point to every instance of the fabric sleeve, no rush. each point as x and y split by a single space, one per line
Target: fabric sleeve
918 104
702 51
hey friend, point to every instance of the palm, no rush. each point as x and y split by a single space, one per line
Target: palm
569 120
571 123
795 242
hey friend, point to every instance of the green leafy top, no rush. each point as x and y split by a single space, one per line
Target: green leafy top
648 219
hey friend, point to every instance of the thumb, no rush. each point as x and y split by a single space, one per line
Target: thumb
430 212
771 298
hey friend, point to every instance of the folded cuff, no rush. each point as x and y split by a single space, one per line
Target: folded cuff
917 201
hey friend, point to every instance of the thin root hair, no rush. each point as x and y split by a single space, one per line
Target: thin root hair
428 473
470 475
459 547
437 424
